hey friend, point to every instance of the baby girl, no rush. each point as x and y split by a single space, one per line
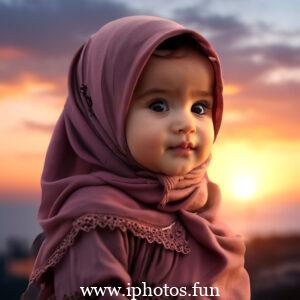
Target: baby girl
127 209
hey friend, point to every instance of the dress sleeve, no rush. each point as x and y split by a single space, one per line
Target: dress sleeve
97 258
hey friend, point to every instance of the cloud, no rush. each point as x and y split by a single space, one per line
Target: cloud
244 50
282 75
34 125
28 85
262 115
223 29
40 37
54 28
273 55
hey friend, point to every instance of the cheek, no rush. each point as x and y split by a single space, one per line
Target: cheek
206 136
143 136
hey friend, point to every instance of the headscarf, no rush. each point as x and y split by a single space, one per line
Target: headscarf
90 178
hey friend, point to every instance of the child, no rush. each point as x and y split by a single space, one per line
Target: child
126 200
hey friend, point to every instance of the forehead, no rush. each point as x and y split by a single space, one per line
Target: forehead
189 70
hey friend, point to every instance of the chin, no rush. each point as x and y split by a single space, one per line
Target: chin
178 172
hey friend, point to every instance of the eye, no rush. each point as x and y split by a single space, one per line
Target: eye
199 108
159 106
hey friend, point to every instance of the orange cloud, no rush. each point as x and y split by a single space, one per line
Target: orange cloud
231 89
27 84
7 53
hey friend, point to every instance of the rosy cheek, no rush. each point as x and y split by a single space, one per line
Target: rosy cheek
150 142
205 138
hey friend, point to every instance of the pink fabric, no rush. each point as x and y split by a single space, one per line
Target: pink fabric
90 172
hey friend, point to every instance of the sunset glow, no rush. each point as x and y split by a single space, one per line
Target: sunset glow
64 92
26 85
239 166
243 187
11 53
245 173
256 153
231 89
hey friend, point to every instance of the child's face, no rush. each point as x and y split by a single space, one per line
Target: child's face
180 110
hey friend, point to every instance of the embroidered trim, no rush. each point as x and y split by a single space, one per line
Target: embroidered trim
88 99
171 237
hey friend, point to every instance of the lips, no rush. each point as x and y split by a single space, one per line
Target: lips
184 149
184 145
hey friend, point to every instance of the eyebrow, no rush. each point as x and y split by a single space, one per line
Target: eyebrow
152 91
164 91
202 93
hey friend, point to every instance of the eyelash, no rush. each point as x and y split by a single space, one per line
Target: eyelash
155 102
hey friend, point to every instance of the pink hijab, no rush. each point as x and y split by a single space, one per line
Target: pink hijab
90 178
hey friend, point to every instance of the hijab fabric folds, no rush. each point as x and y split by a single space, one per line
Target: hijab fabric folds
90 178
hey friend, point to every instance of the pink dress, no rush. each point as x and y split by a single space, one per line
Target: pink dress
144 253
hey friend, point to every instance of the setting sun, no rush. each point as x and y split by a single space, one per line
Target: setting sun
243 187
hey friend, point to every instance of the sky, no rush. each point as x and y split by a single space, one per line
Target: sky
256 156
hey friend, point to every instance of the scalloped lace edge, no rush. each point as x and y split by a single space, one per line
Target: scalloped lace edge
171 237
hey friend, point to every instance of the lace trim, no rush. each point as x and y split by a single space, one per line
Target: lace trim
171 237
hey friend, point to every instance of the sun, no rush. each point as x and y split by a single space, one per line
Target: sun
243 187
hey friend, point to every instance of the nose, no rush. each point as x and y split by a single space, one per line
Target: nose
183 123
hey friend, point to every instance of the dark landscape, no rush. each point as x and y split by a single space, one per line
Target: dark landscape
272 262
